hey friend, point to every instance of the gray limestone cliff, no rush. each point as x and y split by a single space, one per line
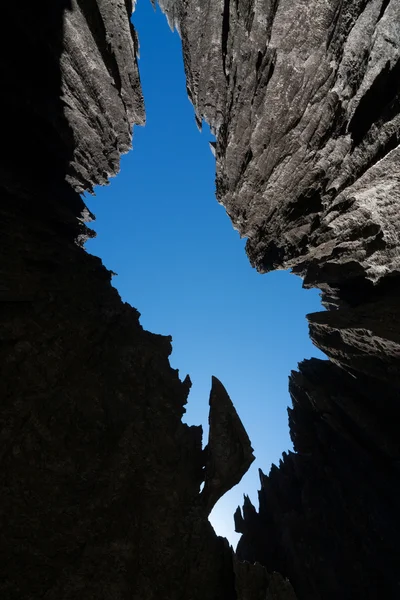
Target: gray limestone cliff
100 479
304 100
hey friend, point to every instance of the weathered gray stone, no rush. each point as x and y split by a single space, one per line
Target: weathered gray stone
100 478
303 97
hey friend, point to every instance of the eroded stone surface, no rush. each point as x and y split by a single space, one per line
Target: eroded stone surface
228 453
304 100
100 87
100 478
303 97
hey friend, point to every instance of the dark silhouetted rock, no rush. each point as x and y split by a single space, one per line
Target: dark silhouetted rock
100 479
303 97
228 453
254 583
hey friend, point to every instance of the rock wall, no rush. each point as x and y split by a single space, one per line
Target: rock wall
303 98
100 479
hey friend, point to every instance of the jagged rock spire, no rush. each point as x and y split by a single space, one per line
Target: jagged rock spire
228 452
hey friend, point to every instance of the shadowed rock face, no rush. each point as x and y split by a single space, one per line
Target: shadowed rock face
304 100
228 453
100 479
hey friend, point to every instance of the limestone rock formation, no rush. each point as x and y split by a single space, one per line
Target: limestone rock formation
100 479
303 98
228 453
101 90
252 582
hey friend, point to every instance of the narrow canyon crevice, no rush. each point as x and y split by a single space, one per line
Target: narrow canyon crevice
181 263
100 478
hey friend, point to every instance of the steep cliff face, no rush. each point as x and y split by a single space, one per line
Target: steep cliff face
101 89
304 100
328 515
100 479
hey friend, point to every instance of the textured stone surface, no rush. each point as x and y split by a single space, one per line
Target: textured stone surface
100 480
303 97
100 87
304 100
327 516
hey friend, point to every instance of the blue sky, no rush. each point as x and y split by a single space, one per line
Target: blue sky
183 266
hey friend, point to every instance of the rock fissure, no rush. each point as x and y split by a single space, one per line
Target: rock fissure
100 478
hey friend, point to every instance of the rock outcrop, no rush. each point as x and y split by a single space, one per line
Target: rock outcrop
228 453
100 479
303 98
